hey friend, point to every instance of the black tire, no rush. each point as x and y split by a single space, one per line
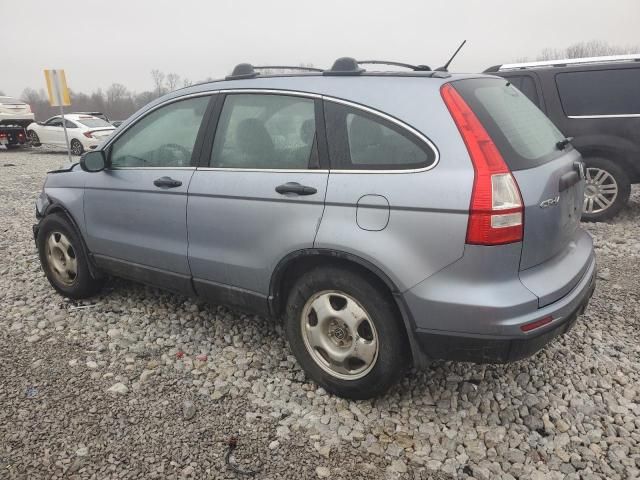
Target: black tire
84 284
33 138
76 147
392 353
622 182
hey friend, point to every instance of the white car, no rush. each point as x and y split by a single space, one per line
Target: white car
15 112
85 132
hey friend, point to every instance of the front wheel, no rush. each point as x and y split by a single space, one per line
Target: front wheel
76 147
607 189
345 332
64 260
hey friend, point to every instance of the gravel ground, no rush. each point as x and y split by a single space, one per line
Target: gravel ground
138 383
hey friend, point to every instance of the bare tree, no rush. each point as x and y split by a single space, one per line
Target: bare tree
172 81
116 93
186 82
593 48
158 80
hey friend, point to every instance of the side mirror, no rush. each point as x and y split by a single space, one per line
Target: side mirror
94 161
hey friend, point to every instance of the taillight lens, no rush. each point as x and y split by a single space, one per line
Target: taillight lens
496 214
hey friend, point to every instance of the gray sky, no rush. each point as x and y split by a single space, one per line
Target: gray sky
101 42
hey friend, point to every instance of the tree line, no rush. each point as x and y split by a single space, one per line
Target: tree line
117 101
593 48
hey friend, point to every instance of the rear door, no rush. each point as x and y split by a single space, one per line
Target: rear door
258 196
549 173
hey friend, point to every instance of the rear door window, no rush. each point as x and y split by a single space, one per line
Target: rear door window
600 92
257 131
359 140
524 135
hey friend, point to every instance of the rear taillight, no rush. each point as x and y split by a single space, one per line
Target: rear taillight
87 134
496 215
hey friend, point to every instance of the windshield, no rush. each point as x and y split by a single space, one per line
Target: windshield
94 122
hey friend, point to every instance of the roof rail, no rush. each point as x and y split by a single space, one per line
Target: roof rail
344 66
416 68
242 70
285 67
564 62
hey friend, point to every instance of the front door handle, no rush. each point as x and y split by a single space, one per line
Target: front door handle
295 187
167 182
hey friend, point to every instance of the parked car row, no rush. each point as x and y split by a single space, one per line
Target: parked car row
390 218
85 132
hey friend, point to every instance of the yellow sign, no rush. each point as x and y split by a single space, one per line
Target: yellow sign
57 88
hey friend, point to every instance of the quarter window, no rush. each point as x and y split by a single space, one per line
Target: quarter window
359 140
164 138
265 132
600 92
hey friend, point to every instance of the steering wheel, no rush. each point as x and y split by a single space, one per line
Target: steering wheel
178 153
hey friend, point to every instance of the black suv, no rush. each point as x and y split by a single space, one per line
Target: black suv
597 102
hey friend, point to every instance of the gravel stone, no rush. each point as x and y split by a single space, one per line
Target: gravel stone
87 387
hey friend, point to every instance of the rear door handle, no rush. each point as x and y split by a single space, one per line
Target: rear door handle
167 182
295 187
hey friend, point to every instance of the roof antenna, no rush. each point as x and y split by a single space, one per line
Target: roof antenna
446 65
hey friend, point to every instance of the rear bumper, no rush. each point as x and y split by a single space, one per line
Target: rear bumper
493 333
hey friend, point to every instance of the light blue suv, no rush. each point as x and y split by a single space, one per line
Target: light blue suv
390 217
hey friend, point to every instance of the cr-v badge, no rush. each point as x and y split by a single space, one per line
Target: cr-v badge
549 202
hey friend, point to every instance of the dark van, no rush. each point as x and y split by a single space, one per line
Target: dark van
597 102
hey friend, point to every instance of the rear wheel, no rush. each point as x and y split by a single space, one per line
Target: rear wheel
33 138
76 147
607 189
345 332
64 260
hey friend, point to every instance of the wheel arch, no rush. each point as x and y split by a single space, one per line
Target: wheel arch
296 263
58 208
614 155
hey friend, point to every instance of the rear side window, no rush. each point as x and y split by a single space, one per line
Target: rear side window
600 92
524 135
359 140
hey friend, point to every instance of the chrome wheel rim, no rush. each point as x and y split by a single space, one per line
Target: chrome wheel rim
61 258
600 191
339 335
76 148
33 137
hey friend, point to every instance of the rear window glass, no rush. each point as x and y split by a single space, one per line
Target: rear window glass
526 85
94 122
600 92
524 135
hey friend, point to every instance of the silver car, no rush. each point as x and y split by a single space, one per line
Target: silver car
390 218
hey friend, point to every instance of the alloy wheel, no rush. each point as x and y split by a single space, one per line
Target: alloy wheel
601 190
339 335
76 147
